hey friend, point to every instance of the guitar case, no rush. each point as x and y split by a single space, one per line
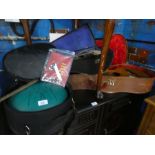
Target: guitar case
78 40
89 64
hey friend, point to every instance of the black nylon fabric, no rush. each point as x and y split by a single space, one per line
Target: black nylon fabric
39 122
53 127
90 63
26 63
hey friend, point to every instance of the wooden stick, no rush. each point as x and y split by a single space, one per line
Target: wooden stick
76 23
109 27
17 90
26 31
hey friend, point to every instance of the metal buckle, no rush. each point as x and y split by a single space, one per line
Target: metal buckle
27 130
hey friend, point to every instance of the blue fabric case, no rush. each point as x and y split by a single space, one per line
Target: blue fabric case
78 40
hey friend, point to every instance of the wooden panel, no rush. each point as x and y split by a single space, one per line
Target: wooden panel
151 126
147 132
151 100
146 120
147 125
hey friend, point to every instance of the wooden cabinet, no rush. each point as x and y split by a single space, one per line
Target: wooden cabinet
147 126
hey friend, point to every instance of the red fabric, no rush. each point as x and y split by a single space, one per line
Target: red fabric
118 45
99 43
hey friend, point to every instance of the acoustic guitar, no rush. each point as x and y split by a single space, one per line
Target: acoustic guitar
118 78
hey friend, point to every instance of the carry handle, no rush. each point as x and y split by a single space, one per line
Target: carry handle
109 27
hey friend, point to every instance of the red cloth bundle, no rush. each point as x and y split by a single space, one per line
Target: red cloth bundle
118 45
